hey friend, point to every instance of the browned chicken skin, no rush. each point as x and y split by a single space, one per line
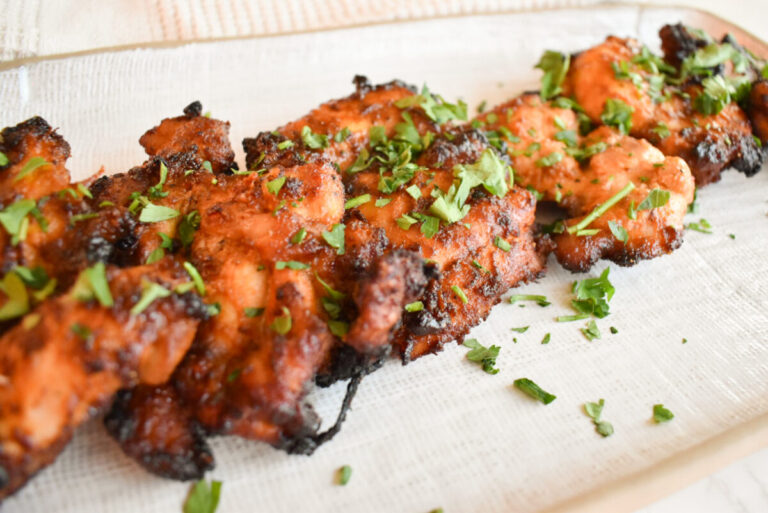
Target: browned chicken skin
536 132
667 117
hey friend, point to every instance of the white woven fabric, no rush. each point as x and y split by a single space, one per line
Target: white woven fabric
438 432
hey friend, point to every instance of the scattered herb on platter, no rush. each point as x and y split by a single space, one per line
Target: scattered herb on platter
593 295
485 356
343 474
540 300
595 412
661 414
533 390
203 497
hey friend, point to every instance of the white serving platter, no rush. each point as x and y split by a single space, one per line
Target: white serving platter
439 432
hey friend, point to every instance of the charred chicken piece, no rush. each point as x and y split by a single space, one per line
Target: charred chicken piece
582 173
63 363
692 118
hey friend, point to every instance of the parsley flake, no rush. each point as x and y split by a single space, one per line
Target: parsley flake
602 209
555 67
416 306
14 219
92 283
291 264
357 201
595 412
283 323
460 294
593 295
32 165
17 303
661 414
502 244
618 231
617 113
152 213
546 339
275 185
485 356
313 140
591 331
655 199
343 475
196 278
540 300
203 498
533 390
151 291
335 238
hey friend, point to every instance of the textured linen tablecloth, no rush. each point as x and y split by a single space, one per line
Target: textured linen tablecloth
713 291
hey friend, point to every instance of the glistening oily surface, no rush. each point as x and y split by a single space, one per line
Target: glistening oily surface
439 432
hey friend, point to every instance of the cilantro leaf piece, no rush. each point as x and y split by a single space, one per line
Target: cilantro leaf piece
196 278
489 171
416 306
342 135
253 311
335 238
485 356
655 199
702 226
533 390
435 107
430 226
546 339
32 165
614 330
595 412
17 303
381 202
593 294
661 414
299 236
203 498
571 318
291 264
84 332
156 191
662 130
617 113
338 328
152 213
334 294
357 201
275 185
313 140
283 323
460 294
92 283
555 66
502 244
540 300
14 219
618 231
591 331
550 160
151 291
35 278
3 159
343 475
602 208
188 225
521 329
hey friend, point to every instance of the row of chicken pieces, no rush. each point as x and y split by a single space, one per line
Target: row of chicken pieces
189 298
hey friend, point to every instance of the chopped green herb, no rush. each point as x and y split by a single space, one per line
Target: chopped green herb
550 160
413 191
435 107
732 236
571 318
291 264
533 390
283 323
157 254
459 293
477 265
151 291
481 107
405 221
253 311
593 295
430 226
546 339
152 213
522 329
203 498
283 145
335 238
187 227
338 328
617 113
614 330
84 191
661 129
661 414
702 226
382 202
156 191
342 135
416 306
555 66
485 356
357 201
540 300
536 194
32 165
568 137
84 332
655 199
196 278
602 209
299 236
595 412
275 185
17 303
92 283
82 217
685 341
313 140
343 475
591 331
14 219
618 231
3 159
501 244
334 294
36 278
